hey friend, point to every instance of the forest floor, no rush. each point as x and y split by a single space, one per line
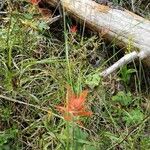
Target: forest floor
51 94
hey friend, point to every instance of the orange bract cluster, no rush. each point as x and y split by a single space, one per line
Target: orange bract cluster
35 2
75 105
73 29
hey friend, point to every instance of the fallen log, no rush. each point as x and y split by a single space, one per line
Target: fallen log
122 26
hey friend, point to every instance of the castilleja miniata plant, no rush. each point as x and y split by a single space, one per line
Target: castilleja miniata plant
75 105
45 12
73 29
35 2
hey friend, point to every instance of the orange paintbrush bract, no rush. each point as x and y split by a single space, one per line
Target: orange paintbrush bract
35 2
75 105
73 29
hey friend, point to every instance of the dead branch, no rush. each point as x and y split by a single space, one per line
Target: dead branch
122 26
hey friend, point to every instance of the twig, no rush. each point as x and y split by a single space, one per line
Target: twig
54 19
31 105
124 60
3 12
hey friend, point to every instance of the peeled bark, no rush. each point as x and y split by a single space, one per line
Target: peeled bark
122 26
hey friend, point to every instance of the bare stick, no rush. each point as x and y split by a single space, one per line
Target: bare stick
31 105
3 12
124 60
54 19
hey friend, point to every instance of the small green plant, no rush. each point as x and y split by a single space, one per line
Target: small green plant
132 117
5 113
125 74
7 137
129 113
93 80
123 98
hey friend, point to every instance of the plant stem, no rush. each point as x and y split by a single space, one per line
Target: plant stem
8 45
66 47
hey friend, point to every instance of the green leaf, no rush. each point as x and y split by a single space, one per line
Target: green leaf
79 134
93 80
133 117
125 74
43 26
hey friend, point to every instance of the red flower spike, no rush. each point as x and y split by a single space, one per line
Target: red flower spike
35 2
73 29
75 105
